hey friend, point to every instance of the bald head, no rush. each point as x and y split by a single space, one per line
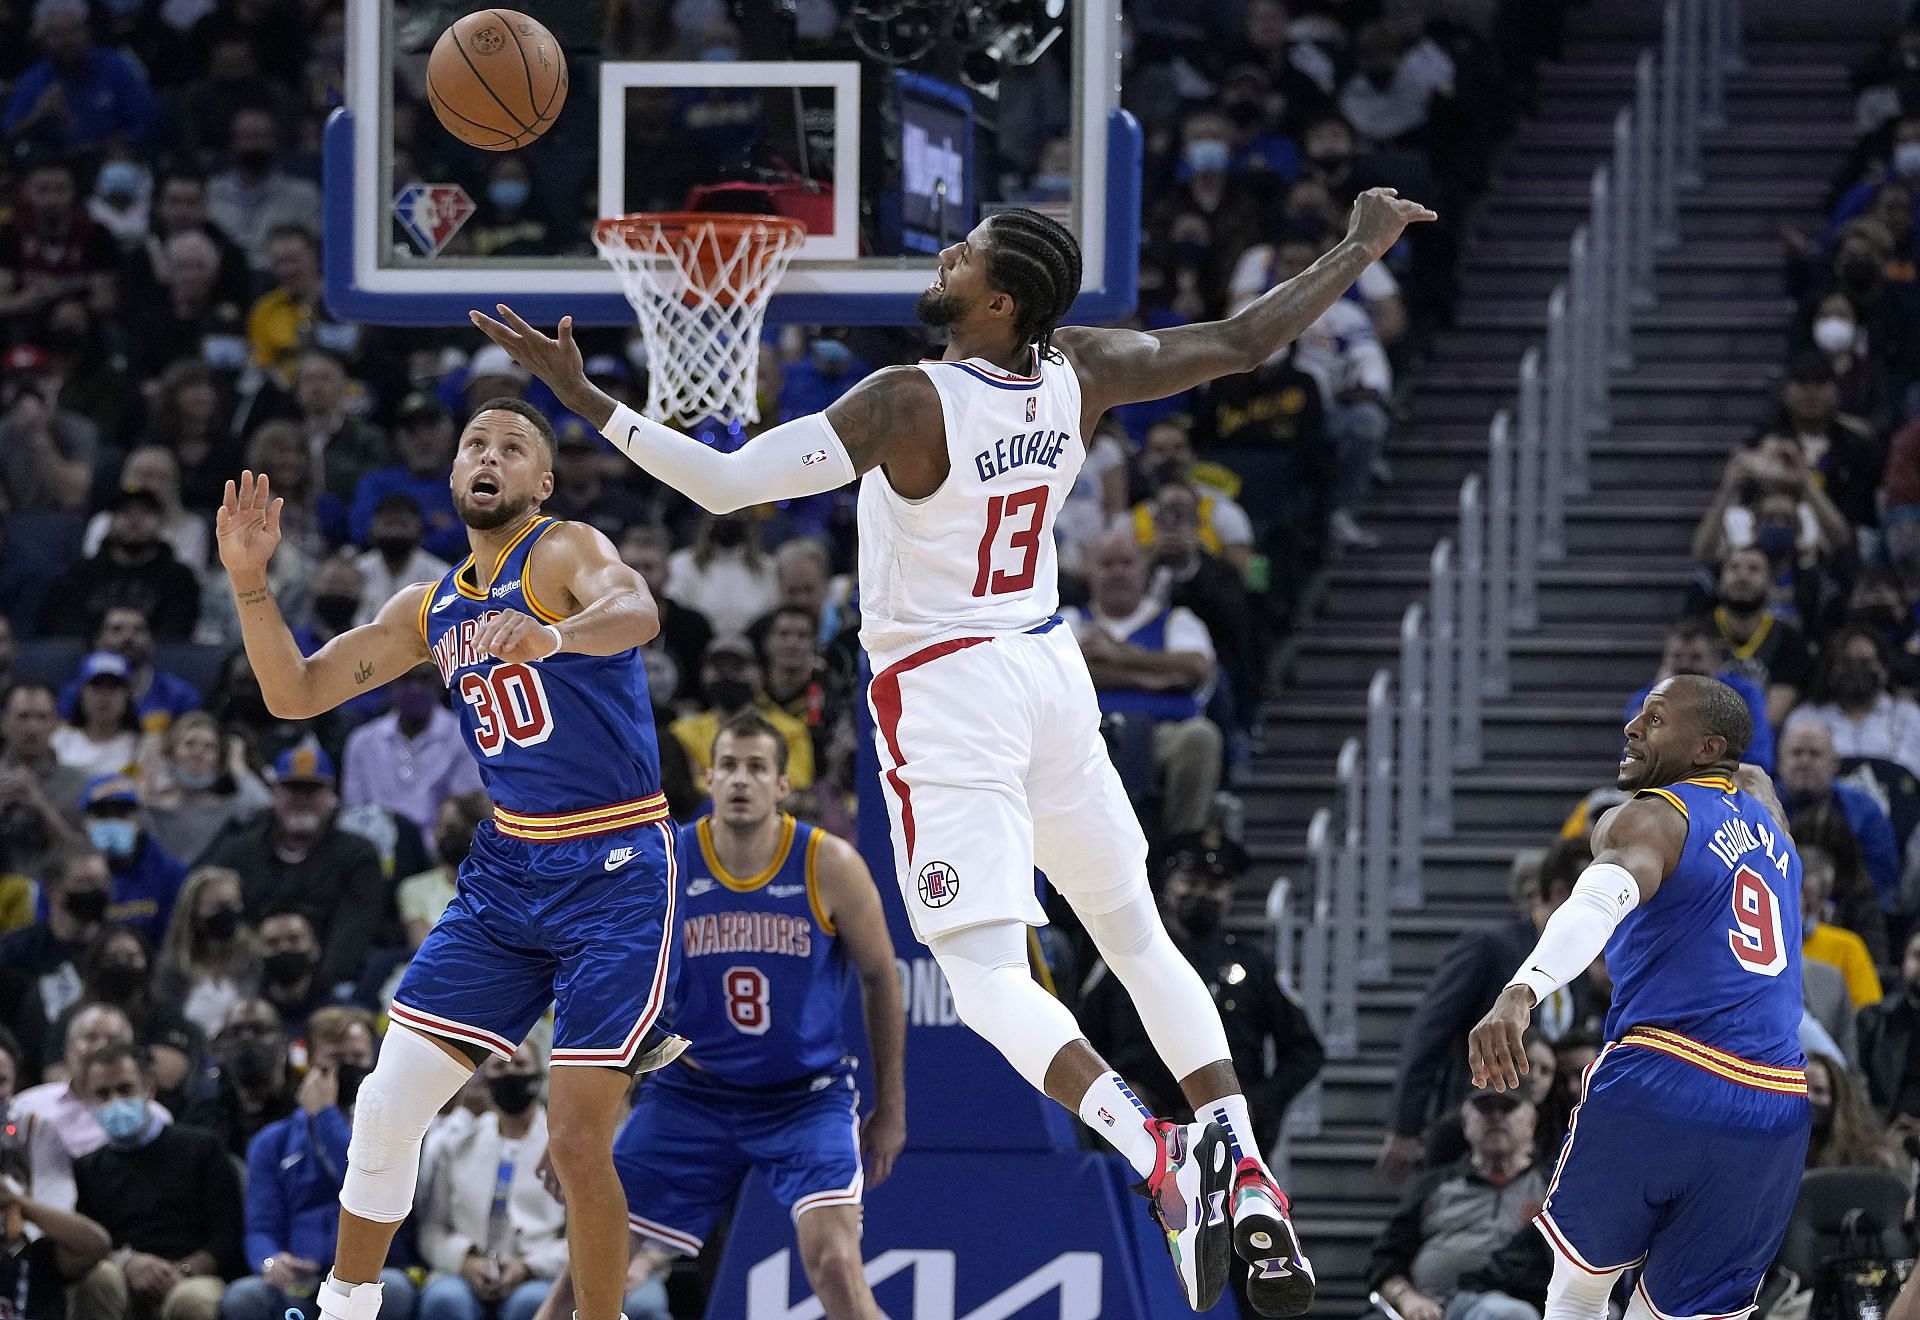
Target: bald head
1719 709
1808 761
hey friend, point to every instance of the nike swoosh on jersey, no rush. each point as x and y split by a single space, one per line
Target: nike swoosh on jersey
618 858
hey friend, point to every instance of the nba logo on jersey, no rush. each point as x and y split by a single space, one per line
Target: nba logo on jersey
1033 406
938 884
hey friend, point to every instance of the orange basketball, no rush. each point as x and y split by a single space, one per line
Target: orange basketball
496 79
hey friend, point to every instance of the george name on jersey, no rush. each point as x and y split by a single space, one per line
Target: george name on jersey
455 649
1027 449
748 932
1736 838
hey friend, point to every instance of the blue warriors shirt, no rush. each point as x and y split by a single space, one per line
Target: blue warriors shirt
763 981
1709 969
566 744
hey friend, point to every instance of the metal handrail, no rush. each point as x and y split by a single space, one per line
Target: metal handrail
1501 568
1442 641
1556 419
1375 963
1342 1036
1408 806
1472 573
1526 494
1304 1116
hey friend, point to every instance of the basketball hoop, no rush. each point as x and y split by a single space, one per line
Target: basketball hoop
699 283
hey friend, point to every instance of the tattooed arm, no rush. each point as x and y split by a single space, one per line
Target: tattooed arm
298 687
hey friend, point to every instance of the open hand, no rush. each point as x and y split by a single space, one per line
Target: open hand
1379 216
248 525
514 637
557 360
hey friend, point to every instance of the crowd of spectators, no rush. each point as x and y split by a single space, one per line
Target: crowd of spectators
204 907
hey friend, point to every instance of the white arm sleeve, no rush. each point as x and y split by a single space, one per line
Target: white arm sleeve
1578 932
797 458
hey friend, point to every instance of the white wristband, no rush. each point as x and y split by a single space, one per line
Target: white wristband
559 642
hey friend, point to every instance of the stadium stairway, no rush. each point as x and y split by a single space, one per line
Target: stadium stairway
1707 364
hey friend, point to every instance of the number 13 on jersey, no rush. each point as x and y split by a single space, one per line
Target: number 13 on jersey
1014 525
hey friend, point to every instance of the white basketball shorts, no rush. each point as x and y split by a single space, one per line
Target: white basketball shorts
991 762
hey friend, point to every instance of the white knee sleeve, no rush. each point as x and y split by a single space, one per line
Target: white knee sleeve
1576 1293
995 994
1171 999
407 1087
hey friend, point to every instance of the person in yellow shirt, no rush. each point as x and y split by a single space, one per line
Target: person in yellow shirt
731 678
1827 943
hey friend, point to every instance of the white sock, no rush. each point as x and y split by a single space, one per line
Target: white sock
1230 1112
349 1301
1110 1108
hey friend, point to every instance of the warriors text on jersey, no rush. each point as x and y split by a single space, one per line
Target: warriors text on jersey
975 558
763 981
565 744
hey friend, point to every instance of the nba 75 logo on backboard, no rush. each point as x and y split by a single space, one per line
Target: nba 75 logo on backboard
432 214
938 884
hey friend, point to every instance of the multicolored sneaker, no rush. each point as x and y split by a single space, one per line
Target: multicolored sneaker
1279 1277
1187 1194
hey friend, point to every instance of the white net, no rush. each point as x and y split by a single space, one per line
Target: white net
699 283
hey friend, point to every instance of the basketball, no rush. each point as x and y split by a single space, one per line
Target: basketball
496 79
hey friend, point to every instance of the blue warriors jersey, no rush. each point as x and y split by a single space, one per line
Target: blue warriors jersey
763 981
1710 967
566 744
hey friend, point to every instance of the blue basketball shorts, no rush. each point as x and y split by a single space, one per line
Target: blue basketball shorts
581 924
690 1142
1678 1167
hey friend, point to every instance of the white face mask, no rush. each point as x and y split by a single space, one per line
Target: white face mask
1906 159
1833 334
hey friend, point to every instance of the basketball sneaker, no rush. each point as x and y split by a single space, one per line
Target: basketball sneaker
1279 1277
1187 1195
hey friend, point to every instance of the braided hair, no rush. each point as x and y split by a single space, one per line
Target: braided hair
1035 261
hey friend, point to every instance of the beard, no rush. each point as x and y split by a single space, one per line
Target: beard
937 309
1744 604
487 520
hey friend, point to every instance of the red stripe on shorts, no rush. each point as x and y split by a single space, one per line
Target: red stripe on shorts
886 713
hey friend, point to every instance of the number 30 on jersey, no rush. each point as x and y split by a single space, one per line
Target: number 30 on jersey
509 705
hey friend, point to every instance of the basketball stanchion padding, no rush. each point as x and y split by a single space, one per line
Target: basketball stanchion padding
699 283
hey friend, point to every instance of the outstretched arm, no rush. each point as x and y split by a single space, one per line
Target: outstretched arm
871 425
852 904
298 687
1126 366
1634 846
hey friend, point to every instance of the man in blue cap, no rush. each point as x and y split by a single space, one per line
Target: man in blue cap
145 876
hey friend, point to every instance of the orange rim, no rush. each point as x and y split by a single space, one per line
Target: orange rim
623 229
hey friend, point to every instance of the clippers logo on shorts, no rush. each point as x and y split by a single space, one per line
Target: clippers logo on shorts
938 884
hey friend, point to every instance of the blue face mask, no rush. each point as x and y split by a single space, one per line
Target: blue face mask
123 1118
115 838
508 194
1775 542
1208 156
831 357
193 781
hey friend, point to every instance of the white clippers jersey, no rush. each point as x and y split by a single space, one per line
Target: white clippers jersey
977 556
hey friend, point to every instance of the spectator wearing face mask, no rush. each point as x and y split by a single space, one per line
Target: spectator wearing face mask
40 964
1187 576
253 198
414 758
145 876
1847 1134
298 857
1841 449
253 1085
1399 76
732 679
1167 456
153 468
724 574
198 787
1902 166
167 1194
1859 375
118 970
506 224
396 558
424 897
1853 703
290 975
65 1126
210 963
581 489
818 378
294 1172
